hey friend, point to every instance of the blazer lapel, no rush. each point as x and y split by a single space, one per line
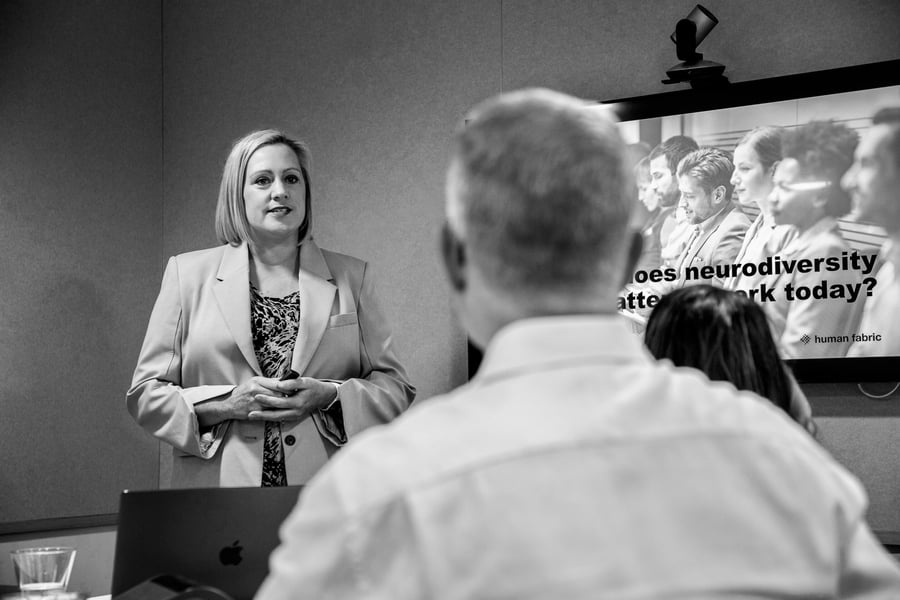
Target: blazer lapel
713 228
751 232
316 299
232 291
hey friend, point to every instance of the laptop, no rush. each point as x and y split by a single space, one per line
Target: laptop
216 537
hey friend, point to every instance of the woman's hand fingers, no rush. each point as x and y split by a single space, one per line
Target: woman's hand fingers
300 400
269 384
277 415
242 400
267 401
292 386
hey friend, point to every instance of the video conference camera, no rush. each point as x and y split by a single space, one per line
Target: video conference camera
689 32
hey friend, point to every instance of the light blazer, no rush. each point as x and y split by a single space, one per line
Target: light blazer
828 317
762 239
199 346
718 242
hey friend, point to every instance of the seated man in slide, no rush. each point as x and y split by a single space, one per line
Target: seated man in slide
716 225
664 158
874 184
719 225
573 465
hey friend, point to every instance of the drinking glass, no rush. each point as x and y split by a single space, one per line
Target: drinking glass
43 571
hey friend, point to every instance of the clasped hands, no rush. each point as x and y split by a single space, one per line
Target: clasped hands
268 399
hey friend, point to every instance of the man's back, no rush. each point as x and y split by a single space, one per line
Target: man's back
574 467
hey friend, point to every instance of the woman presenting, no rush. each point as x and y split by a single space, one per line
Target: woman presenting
265 353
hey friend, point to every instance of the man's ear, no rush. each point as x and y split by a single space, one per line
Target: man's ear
635 247
719 194
453 251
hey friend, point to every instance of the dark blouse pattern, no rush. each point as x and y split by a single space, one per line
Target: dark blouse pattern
274 323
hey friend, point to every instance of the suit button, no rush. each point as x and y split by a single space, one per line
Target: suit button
290 440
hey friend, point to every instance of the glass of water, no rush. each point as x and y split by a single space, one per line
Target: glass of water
43 571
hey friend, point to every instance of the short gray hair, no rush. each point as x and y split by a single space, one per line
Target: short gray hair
232 226
544 193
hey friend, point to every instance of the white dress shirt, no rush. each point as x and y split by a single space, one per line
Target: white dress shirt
573 466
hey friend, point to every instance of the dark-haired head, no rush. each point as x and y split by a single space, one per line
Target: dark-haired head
674 149
723 333
890 116
664 160
755 157
766 143
823 151
874 178
710 167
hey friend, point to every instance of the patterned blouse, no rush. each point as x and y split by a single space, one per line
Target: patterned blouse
274 323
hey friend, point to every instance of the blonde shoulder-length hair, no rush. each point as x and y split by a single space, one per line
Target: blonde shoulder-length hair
232 226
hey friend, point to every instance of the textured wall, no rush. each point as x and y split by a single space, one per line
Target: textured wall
80 214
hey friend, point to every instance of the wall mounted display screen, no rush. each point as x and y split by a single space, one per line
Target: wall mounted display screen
828 343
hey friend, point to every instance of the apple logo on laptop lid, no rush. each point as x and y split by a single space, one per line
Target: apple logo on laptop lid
231 555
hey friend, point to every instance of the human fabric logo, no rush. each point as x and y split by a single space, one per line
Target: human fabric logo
231 555
805 339
843 339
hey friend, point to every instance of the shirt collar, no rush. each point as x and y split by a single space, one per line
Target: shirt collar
530 344
713 221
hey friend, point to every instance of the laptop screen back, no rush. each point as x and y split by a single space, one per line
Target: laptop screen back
220 537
